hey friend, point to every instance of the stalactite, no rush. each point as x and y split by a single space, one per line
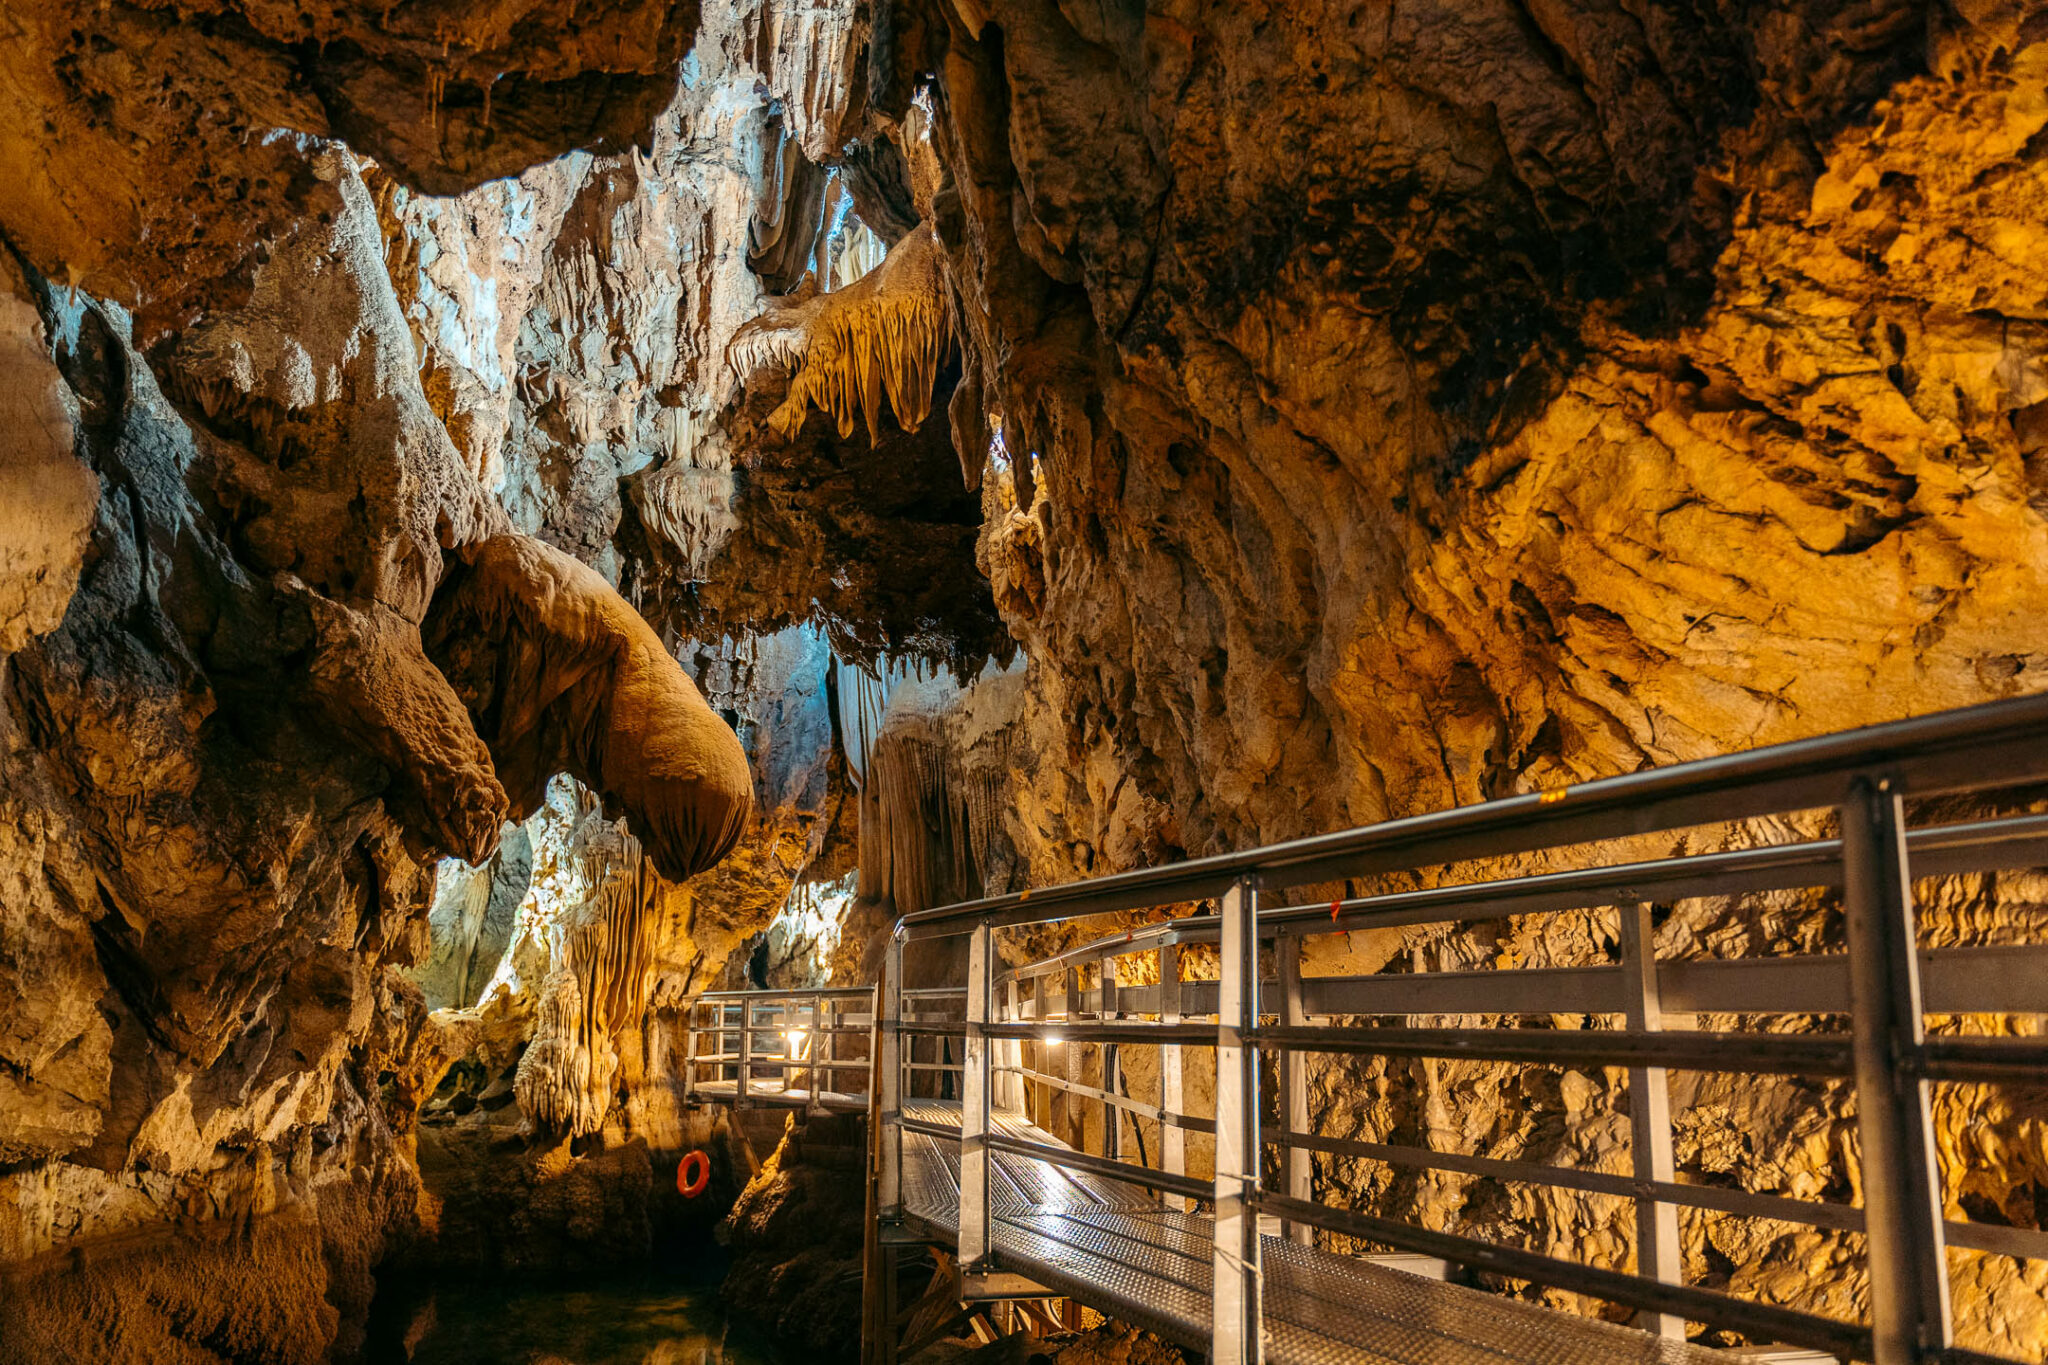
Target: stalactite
883 336
788 210
928 826
857 253
987 797
863 695
921 823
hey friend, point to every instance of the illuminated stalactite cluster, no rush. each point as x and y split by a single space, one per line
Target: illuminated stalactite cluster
883 336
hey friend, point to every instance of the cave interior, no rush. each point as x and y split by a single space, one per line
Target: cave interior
511 523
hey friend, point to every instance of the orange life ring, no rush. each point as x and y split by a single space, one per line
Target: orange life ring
693 1185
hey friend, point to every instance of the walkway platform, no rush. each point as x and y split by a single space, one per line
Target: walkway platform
1112 1246
777 1095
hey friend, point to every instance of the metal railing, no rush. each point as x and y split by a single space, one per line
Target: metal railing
790 1037
1883 981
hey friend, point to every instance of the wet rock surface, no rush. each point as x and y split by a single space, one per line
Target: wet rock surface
795 1232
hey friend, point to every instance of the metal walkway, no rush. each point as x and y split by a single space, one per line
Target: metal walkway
1109 1243
775 1096
1873 1004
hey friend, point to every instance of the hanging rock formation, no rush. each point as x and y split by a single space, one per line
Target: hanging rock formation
563 676
153 160
568 1098
884 335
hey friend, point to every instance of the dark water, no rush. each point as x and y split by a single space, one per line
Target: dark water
639 1319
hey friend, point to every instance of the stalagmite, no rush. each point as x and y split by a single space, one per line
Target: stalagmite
595 992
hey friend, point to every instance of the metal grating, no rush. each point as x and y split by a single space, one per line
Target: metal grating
1110 1245
770 1093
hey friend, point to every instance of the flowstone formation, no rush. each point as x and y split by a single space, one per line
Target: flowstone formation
881 337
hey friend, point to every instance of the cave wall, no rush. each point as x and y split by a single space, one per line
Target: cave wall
203 885
228 765
1663 383
1404 406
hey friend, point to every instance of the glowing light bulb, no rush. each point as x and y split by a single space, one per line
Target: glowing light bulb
1055 1038
795 1039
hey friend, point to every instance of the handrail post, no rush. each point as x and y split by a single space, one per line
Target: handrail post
1236 1335
975 1242
1173 1139
1070 1102
746 1050
1112 1117
1908 1261
690 1048
819 1042
1010 1089
1658 1256
888 1013
1294 1084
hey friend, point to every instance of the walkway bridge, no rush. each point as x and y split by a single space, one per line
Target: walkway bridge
1213 1222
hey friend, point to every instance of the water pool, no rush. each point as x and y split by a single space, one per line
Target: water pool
642 1319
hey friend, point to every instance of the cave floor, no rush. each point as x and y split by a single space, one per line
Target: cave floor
1112 1246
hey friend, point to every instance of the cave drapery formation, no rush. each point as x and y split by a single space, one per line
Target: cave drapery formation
687 461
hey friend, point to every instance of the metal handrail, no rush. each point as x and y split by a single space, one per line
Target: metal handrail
1937 850
827 1021
1864 775
769 996
1991 745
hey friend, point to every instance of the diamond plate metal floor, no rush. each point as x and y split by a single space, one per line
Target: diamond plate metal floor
1111 1245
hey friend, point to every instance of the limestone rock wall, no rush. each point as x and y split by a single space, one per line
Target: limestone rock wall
1403 406
227 764
202 892
1375 443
